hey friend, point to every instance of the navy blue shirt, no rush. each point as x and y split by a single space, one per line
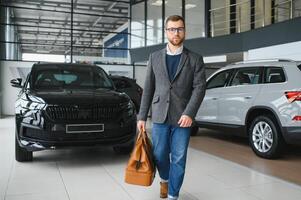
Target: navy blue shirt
172 63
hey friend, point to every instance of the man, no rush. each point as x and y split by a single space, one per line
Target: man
175 87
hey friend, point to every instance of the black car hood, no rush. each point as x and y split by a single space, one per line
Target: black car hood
78 96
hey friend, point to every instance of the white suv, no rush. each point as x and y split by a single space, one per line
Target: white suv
259 99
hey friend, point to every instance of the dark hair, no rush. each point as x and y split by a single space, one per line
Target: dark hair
174 18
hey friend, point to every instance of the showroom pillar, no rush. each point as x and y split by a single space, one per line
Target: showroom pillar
2 33
207 18
3 47
232 16
8 35
252 15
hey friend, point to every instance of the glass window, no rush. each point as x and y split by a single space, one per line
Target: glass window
79 77
263 11
246 76
138 25
282 10
154 22
243 9
219 80
219 18
173 7
194 17
296 8
274 75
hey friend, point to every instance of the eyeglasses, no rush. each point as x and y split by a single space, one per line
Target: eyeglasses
174 30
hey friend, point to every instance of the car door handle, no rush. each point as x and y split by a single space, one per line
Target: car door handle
214 98
248 97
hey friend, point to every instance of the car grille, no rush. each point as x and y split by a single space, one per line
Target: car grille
83 112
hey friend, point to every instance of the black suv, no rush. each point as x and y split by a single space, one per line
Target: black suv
130 87
66 105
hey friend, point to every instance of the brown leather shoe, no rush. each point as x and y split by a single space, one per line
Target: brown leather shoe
163 189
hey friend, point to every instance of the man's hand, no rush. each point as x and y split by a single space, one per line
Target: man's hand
185 121
141 125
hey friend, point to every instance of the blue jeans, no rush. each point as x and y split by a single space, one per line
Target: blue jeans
170 145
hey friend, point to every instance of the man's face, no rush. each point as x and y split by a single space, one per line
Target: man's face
175 32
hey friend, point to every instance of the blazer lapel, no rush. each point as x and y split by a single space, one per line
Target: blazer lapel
163 63
181 63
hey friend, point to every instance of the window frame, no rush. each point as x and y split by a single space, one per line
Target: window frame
265 72
226 81
260 80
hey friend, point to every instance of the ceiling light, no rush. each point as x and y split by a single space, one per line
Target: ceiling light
188 6
158 3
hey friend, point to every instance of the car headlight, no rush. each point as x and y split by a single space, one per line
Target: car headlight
32 105
128 107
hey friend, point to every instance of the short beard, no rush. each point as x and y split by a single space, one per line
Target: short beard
178 43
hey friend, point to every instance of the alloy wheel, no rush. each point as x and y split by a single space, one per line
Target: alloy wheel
262 136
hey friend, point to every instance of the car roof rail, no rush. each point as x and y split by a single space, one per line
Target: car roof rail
264 60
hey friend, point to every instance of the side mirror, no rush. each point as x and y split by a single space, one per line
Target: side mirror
16 83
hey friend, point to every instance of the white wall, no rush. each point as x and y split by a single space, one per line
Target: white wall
140 73
9 70
283 51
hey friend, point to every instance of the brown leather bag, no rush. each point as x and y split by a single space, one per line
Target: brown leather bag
140 169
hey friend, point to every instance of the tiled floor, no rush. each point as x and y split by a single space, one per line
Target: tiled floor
97 173
237 149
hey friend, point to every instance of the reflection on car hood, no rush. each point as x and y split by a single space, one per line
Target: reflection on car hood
78 96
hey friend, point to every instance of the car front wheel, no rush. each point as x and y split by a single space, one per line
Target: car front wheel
21 154
265 138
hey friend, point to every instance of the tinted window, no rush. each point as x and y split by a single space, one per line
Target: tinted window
219 80
274 75
246 76
80 77
299 67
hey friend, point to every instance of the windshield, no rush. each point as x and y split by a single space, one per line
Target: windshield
72 77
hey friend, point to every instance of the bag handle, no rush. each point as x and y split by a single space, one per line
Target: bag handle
143 134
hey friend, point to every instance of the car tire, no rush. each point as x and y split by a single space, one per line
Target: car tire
265 137
125 149
194 130
21 154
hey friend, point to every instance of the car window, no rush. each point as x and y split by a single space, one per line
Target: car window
219 80
274 75
299 67
102 80
246 76
71 78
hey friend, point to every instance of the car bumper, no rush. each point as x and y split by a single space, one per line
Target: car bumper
292 135
33 139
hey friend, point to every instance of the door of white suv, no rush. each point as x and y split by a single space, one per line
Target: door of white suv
208 112
238 96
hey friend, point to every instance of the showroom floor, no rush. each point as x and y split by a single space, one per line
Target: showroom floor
97 173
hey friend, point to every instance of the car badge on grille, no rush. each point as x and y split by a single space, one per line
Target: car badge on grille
75 106
84 114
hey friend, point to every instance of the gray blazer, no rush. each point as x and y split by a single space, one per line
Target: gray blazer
181 96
